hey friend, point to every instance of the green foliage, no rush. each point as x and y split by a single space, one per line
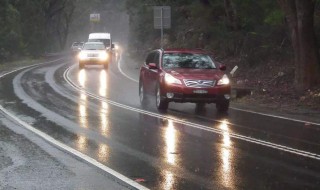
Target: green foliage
257 30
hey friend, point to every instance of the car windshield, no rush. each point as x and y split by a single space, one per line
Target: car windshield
93 47
187 60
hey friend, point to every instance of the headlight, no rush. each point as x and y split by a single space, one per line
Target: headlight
103 56
171 80
82 55
224 80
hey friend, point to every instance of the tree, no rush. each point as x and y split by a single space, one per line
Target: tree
300 19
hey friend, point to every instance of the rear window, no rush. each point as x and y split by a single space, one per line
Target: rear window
93 47
187 60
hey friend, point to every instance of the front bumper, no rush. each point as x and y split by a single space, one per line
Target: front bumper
183 94
93 61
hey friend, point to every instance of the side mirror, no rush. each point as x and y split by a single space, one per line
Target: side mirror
112 46
222 67
152 66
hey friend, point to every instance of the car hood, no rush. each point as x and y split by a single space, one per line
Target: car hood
198 74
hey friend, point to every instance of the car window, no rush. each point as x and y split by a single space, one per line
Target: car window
187 60
156 58
150 58
93 47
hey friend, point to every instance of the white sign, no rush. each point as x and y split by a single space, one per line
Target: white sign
95 17
162 17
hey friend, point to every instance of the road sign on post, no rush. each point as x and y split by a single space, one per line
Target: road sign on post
162 19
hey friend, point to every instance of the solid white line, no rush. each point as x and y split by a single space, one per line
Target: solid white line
34 65
275 116
74 152
238 109
123 73
65 147
194 125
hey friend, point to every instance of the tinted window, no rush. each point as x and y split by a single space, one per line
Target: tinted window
156 58
187 60
150 58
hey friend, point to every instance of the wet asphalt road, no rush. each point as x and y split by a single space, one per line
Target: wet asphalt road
98 113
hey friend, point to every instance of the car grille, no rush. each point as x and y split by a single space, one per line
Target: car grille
93 55
199 83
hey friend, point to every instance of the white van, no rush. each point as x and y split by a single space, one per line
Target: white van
101 37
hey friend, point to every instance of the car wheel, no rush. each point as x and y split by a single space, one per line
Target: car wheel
142 94
222 106
161 103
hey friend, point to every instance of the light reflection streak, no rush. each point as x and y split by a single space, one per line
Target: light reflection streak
82 77
103 152
103 83
168 181
104 110
82 109
170 139
226 156
81 143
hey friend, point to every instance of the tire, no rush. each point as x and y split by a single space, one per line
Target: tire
161 103
142 94
222 106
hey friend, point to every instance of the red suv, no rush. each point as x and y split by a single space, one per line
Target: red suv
181 75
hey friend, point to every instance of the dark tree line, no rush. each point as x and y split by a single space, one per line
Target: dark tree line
32 27
249 29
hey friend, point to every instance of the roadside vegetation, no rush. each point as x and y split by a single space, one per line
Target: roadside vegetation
274 43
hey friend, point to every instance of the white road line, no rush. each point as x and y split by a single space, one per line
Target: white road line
275 116
243 110
123 73
194 125
65 147
74 152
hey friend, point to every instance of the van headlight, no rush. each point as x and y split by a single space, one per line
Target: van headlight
103 56
224 80
171 80
82 56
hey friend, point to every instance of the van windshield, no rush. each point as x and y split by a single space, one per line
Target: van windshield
106 42
93 47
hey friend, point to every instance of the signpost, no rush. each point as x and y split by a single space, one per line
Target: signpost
162 19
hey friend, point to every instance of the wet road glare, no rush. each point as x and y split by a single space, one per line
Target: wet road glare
98 113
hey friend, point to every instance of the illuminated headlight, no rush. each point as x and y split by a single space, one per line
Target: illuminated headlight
224 80
116 47
103 56
82 56
171 80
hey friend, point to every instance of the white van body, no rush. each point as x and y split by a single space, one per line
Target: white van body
101 37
